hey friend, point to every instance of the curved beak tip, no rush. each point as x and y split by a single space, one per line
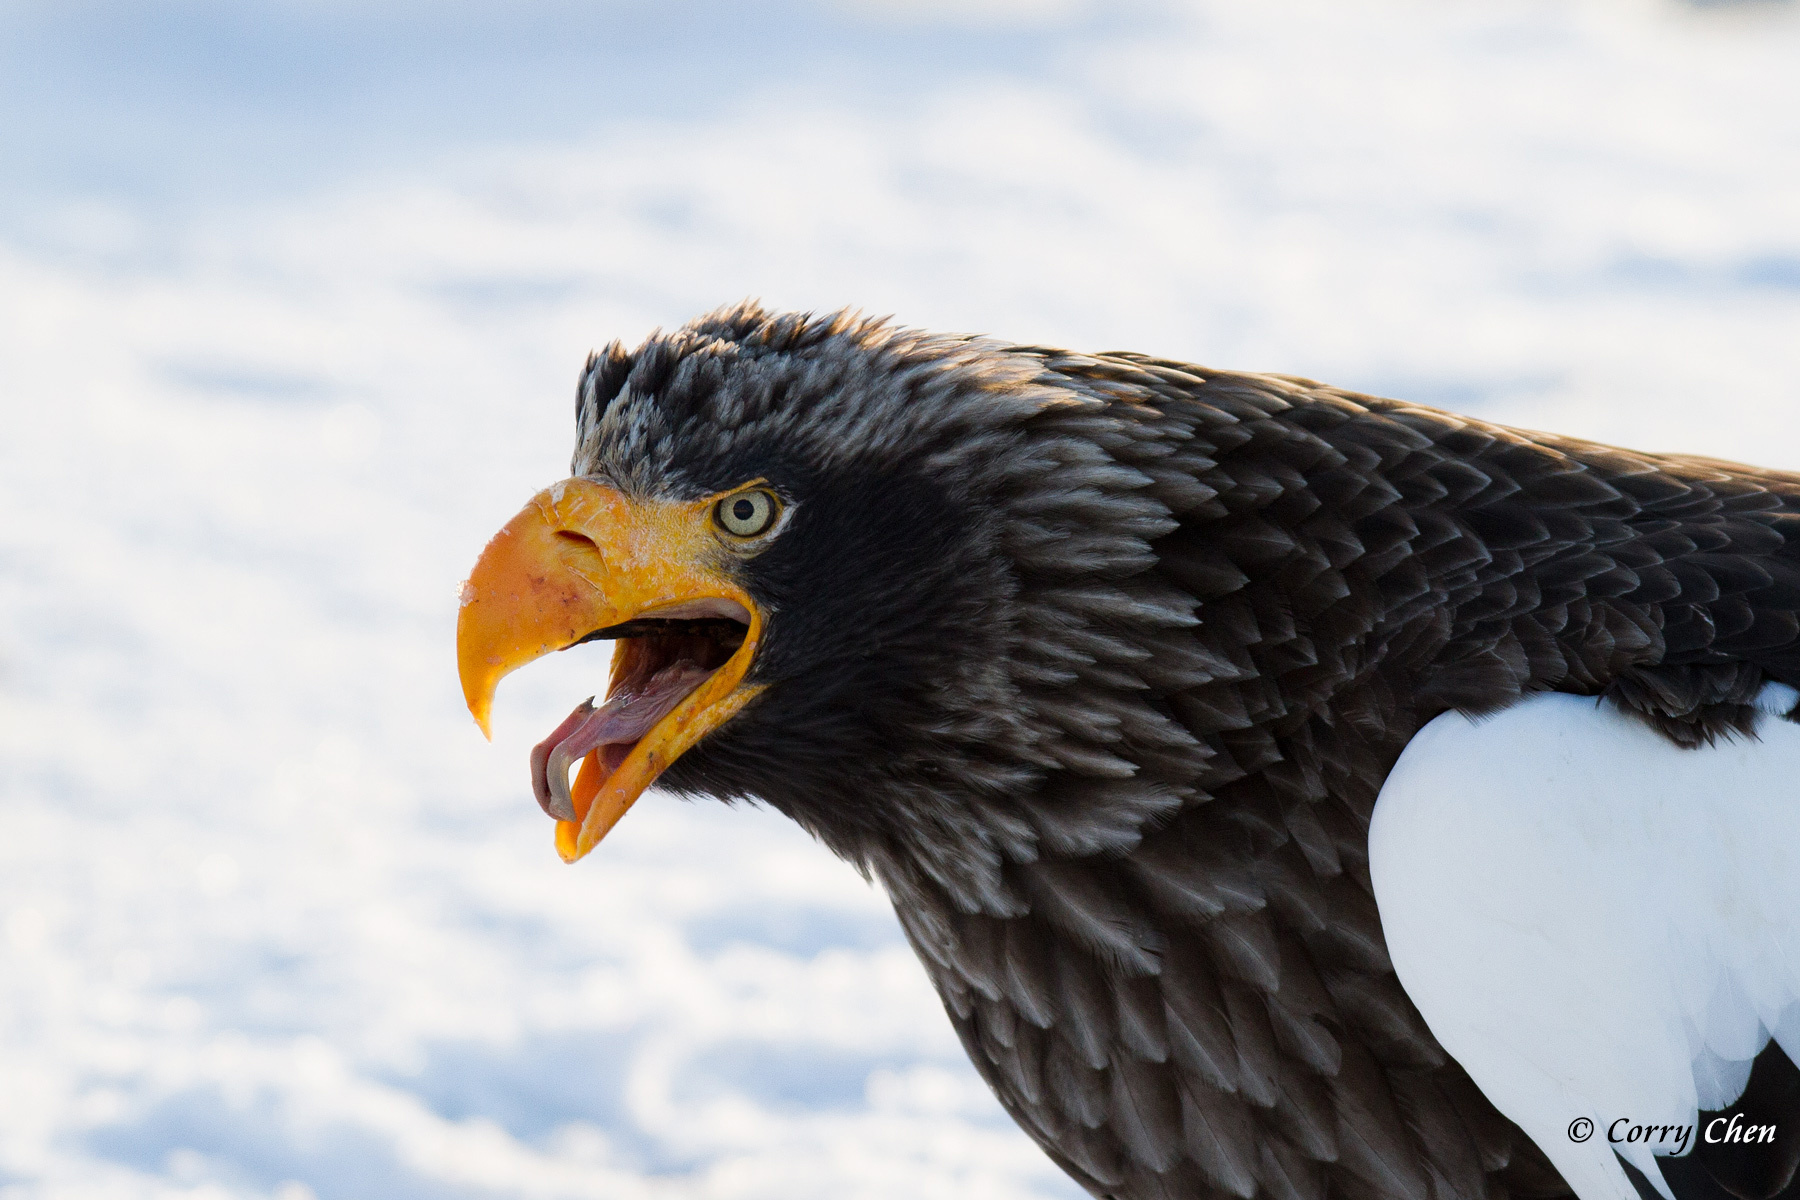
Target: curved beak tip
478 694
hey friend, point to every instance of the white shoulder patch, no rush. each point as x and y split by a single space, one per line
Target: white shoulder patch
1598 925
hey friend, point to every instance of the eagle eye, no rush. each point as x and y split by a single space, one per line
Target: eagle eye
746 514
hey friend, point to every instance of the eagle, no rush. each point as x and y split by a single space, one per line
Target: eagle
1290 793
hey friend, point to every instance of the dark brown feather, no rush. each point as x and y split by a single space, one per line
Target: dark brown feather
1374 564
1169 632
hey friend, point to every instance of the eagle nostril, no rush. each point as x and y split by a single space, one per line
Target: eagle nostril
577 539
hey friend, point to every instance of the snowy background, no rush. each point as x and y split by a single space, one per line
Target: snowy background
292 300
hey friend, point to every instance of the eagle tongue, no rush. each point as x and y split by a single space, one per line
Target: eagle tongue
621 721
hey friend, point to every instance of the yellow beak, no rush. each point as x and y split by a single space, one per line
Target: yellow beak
580 558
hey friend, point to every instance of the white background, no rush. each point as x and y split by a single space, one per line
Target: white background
292 301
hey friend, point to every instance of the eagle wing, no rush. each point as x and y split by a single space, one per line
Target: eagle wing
1600 925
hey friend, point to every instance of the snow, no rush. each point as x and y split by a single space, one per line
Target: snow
292 302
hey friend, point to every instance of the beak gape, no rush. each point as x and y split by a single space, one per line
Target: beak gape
584 561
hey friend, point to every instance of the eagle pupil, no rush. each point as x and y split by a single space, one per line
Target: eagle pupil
745 516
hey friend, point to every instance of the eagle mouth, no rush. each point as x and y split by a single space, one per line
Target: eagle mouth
585 562
658 663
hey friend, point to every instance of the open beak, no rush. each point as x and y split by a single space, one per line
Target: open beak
584 561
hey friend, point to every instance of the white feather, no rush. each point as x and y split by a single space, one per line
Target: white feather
1596 923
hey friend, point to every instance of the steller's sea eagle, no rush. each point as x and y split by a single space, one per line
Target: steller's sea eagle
1291 793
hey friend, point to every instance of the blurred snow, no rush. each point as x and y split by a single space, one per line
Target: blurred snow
291 304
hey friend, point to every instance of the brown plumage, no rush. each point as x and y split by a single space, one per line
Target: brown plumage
1098 663
1210 1011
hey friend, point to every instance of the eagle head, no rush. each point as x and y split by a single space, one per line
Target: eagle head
896 585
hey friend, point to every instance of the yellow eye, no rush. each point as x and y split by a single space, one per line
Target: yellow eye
746 514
